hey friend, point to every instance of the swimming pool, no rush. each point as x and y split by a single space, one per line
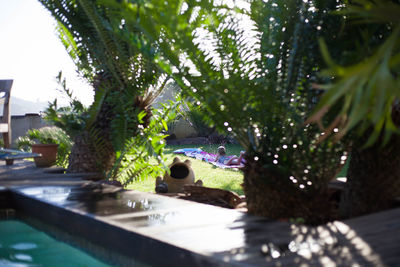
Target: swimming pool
27 240
24 245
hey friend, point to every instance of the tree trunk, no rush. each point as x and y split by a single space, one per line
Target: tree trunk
92 150
87 157
267 196
373 179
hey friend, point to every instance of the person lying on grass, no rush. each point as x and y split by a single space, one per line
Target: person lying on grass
228 160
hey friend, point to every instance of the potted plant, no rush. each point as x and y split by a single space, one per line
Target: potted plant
44 141
48 154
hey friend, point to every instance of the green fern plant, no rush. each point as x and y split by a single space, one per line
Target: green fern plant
369 88
117 60
365 87
73 118
143 156
255 82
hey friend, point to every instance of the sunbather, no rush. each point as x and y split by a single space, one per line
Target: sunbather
227 160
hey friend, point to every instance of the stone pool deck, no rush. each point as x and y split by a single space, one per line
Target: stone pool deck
163 231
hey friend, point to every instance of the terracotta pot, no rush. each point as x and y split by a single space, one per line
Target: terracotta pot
49 154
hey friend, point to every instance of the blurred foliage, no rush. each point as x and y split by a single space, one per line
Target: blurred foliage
195 115
48 135
117 60
252 66
134 162
72 119
369 88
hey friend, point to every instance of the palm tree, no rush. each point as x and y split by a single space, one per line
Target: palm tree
118 61
370 93
255 82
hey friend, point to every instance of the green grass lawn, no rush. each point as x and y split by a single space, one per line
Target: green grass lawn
211 176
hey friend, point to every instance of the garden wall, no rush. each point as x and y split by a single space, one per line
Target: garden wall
20 124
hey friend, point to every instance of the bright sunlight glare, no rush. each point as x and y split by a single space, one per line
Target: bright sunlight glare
32 55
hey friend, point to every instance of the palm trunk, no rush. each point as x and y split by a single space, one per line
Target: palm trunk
267 196
92 151
86 156
373 179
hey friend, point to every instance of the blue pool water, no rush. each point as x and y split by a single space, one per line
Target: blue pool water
23 245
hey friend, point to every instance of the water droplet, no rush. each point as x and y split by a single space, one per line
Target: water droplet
256 158
275 254
198 103
222 107
309 183
226 123
302 186
264 249
226 91
305 171
275 161
343 158
294 146
276 156
319 28
284 146
229 129
336 130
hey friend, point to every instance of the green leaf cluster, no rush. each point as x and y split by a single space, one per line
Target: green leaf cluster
367 90
142 156
252 67
73 118
117 59
48 135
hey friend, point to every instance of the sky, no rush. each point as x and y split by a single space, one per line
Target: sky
32 55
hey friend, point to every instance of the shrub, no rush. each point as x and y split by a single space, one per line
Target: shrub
48 135
252 68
